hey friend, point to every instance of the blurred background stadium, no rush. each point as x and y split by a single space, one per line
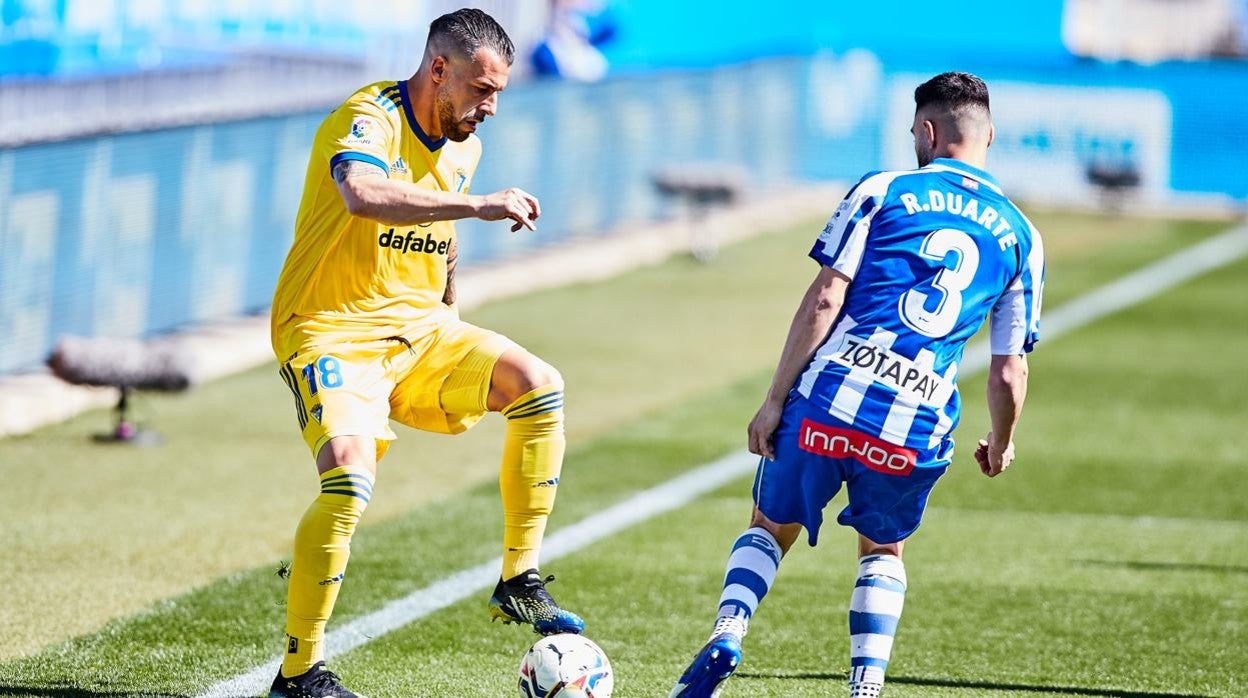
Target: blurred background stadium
152 154
154 149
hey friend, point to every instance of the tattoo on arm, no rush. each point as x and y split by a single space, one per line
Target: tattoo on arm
452 260
355 168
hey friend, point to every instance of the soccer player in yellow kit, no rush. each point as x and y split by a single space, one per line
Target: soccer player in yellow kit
365 329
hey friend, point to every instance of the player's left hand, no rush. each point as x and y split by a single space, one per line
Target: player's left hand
762 427
514 203
993 458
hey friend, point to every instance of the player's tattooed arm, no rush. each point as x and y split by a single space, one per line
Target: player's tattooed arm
369 192
355 168
452 260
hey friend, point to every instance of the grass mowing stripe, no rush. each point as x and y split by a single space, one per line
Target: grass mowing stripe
1139 286
681 314
1117 295
1132 289
644 505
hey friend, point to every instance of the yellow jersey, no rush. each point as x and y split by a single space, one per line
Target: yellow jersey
349 279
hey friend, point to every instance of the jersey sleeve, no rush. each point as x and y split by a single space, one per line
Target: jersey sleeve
360 130
1016 314
844 239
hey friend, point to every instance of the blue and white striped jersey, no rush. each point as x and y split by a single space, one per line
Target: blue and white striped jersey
931 253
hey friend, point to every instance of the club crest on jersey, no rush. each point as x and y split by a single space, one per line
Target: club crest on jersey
461 179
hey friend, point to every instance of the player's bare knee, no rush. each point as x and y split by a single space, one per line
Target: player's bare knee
785 534
536 373
519 373
351 452
866 546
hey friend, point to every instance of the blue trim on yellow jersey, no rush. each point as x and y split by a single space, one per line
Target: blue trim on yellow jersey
356 155
390 94
430 143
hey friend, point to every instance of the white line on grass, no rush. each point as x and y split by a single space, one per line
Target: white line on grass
1132 289
418 604
1117 295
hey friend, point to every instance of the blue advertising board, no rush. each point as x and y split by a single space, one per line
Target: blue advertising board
138 234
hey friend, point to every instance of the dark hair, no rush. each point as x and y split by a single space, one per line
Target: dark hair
467 30
952 92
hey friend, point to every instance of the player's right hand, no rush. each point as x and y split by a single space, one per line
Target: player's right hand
762 427
992 457
515 204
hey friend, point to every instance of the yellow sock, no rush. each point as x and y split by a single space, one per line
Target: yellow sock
322 546
532 457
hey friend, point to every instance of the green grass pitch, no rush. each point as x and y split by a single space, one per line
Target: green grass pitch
1112 560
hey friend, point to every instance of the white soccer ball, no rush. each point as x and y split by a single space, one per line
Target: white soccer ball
565 666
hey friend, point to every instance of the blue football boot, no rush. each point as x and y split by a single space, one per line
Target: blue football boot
714 663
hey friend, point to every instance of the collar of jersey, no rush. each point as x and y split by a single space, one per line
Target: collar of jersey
431 143
951 164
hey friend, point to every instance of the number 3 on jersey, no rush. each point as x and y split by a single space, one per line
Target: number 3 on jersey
949 283
330 370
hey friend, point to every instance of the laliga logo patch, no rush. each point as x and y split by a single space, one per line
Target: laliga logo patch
360 128
836 216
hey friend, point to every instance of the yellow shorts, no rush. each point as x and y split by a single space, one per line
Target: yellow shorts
355 389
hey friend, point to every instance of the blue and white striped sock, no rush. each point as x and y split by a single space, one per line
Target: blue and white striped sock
874 611
751 570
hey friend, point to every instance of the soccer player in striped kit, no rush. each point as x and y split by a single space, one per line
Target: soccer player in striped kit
865 394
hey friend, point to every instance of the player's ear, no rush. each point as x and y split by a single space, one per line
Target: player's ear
929 133
438 68
992 133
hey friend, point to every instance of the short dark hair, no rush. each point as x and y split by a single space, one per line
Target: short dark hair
470 29
952 92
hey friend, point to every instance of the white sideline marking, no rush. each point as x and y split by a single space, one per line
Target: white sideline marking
644 505
1131 289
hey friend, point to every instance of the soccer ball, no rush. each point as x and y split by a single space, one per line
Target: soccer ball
565 666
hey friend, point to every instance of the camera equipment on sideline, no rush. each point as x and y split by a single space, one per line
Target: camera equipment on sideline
125 364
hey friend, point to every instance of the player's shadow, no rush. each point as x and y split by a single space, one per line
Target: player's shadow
69 692
1164 566
986 685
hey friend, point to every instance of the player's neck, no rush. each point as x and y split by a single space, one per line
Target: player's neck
973 156
423 107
